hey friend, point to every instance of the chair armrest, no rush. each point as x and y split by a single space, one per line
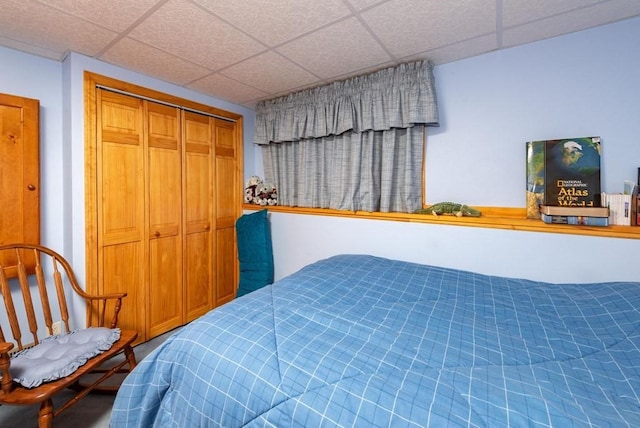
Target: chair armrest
88 296
5 363
102 311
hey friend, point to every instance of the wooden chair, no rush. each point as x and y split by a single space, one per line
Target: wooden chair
23 270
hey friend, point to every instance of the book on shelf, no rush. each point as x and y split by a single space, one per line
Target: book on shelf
575 211
620 209
575 220
636 202
563 172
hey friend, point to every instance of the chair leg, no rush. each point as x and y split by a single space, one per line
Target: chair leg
131 357
45 414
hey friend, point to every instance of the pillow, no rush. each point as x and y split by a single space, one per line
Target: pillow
59 356
255 253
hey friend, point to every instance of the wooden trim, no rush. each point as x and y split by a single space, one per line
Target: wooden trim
492 218
90 186
156 95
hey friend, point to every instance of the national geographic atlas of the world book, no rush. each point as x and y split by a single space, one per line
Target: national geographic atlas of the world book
563 172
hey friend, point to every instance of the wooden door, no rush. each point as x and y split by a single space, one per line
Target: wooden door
19 172
121 205
165 293
226 209
199 247
150 233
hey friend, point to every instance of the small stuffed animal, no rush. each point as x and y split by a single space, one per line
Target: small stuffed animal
450 208
258 193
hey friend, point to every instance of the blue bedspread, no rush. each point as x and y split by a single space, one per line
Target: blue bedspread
365 341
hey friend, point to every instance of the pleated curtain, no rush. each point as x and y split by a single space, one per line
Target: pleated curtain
354 145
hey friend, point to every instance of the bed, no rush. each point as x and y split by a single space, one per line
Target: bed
358 340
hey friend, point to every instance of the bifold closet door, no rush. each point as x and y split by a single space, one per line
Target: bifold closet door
121 205
164 186
199 245
167 195
226 209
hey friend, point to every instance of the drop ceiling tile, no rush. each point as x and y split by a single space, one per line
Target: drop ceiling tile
406 29
364 4
188 41
517 12
354 73
276 22
336 49
465 49
227 89
34 50
271 73
148 60
49 29
577 20
116 15
189 32
250 104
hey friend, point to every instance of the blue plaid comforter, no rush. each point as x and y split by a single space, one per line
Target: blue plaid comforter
365 341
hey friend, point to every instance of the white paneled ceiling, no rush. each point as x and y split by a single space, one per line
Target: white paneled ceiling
247 50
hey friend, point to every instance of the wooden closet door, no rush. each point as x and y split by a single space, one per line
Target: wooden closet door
19 173
199 246
165 293
121 205
226 209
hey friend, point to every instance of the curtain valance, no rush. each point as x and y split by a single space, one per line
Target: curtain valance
396 97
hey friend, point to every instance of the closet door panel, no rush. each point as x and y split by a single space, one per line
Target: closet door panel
121 186
121 273
165 280
198 213
226 172
225 265
226 209
165 217
121 205
226 206
198 191
165 201
120 169
226 258
198 300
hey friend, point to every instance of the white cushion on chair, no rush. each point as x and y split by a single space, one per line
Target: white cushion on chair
58 356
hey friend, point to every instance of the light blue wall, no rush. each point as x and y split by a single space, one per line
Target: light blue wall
586 83
581 84
38 78
59 87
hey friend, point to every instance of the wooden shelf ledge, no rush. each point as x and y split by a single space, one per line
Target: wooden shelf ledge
492 218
